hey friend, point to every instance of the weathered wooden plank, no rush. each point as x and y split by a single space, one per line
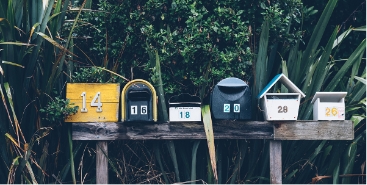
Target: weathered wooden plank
314 130
225 129
275 149
101 162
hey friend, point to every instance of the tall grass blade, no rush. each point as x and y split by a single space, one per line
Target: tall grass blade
336 174
172 152
13 64
72 167
208 126
363 80
261 62
30 171
317 35
349 159
193 162
343 70
316 80
157 153
53 42
159 87
239 160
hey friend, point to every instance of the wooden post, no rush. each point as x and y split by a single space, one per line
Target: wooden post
275 149
101 162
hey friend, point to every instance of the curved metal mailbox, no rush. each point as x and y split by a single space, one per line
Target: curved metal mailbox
138 101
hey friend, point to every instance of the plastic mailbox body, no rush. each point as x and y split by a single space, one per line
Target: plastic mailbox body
329 106
231 99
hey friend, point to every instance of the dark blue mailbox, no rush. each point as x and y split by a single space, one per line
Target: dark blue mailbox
231 99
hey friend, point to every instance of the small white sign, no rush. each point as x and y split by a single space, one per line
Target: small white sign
144 109
227 108
236 108
134 110
185 114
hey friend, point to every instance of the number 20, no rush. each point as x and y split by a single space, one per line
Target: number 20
98 104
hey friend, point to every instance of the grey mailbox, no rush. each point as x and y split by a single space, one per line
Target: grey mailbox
231 99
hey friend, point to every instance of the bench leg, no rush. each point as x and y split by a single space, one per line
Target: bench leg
101 162
275 149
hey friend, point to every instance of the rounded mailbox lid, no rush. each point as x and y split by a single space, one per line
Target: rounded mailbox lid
232 82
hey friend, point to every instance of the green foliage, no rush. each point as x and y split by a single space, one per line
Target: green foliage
59 109
93 75
192 38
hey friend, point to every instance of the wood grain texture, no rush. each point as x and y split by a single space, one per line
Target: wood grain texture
314 130
275 149
225 129
109 99
101 162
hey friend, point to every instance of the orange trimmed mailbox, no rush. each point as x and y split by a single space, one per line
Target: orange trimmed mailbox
138 101
98 102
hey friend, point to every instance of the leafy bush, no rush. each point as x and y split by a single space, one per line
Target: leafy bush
59 109
198 42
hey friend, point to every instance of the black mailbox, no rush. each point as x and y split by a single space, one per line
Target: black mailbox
138 101
231 99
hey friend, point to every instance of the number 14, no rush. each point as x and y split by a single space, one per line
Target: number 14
98 104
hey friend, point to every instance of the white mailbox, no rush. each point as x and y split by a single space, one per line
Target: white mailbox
184 108
329 106
280 106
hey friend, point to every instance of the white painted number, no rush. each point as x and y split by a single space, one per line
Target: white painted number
227 108
236 108
134 109
143 109
97 104
84 109
93 103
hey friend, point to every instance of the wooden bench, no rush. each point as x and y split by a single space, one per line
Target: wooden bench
225 129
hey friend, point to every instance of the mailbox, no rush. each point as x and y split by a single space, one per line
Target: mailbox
231 99
138 101
184 107
329 106
280 106
98 102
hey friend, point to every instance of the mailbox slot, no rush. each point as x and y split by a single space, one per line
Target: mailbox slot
231 99
139 95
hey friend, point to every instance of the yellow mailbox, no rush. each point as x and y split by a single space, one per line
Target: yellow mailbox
97 102
138 101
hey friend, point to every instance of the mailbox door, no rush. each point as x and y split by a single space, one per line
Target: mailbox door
185 112
329 111
139 103
139 111
281 106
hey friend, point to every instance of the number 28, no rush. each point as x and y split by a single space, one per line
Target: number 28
283 109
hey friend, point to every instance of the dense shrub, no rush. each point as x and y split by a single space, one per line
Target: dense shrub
198 42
